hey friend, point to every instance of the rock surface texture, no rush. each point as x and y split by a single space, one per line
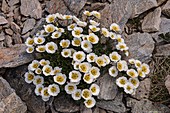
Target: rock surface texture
145 26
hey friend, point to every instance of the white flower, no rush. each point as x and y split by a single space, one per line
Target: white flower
65 43
56 35
84 37
87 13
95 89
134 81
129 88
86 94
89 103
51 47
114 56
113 35
50 18
120 39
77 32
38 89
79 56
66 53
88 78
86 45
71 26
29 42
92 22
91 57
122 65
81 24
131 61
30 49
40 48
38 71
100 61
60 78
72 52
115 27
44 62
105 32
70 88
76 65
67 17
39 40
76 41
53 89
56 70
75 19
49 28
145 68
138 63
96 14
34 65
94 28
132 73
113 71
44 93
141 73
59 16
61 30
121 81
45 99
43 33
75 76
121 46
47 70
76 95
94 39
106 58
29 77
38 80
84 67
95 72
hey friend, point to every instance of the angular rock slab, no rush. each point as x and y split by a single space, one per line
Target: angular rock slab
108 88
9 101
31 8
3 20
163 50
146 106
64 103
141 46
143 90
141 6
115 105
28 25
14 56
151 22
118 11
166 9
25 91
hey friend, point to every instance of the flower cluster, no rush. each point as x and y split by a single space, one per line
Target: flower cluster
79 42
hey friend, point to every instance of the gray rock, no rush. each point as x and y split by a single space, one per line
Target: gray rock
75 5
142 6
163 50
13 2
146 106
9 101
5 7
8 41
108 88
160 1
17 38
9 31
167 83
3 20
64 103
151 22
84 109
31 8
166 9
141 46
2 36
14 56
28 25
26 91
15 27
143 90
118 11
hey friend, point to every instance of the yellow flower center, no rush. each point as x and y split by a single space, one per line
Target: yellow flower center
100 61
38 81
93 89
53 89
30 42
115 28
48 70
132 74
92 39
50 29
51 47
46 92
30 77
60 78
77 94
77 42
70 88
128 88
91 57
35 65
93 72
64 44
39 40
114 57
89 102
40 89
74 76
122 81
51 19
41 49
87 77
86 94
77 32
83 68
134 82
113 71
119 66
79 56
